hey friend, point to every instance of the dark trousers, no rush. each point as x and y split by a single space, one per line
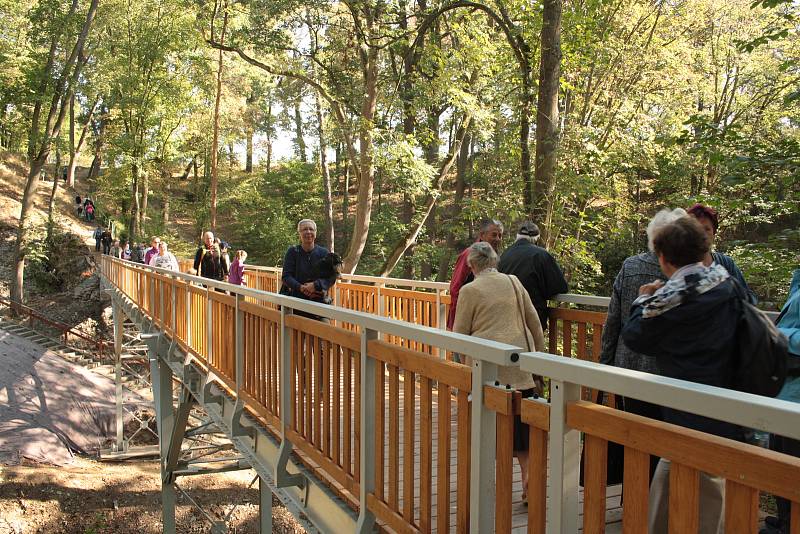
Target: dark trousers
106 248
97 245
786 446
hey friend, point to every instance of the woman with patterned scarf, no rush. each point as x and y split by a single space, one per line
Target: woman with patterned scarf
686 324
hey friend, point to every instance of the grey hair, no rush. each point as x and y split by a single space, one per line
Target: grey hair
660 220
488 223
481 256
529 238
306 221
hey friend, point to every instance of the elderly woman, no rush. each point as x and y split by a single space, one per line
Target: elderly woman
496 306
301 273
164 259
685 324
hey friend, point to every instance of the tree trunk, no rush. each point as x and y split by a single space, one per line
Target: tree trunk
167 194
133 224
458 200
300 143
326 176
248 165
215 140
144 192
411 235
70 181
547 123
52 204
525 141
77 148
33 135
366 164
55 118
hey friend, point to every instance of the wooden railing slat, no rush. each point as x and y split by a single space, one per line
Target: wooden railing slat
443 460
504 467
380 428
635 488
537 479
684 499
394 438
463 461
594 489
425 453
741 508
409 395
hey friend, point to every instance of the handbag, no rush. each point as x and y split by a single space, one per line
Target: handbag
615 458
521 311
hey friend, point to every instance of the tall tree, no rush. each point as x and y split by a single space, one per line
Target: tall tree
61 87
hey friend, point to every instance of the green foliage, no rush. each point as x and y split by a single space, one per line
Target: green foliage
768 266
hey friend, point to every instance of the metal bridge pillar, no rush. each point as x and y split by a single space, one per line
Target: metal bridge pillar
162 376
119 321
264 507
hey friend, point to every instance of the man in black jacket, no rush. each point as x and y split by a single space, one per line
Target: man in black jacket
535 267
207 260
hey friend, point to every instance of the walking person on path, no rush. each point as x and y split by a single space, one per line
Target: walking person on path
106 239
208 261
98 235
164 259
236 274
490 231
535 268
152 251
496 306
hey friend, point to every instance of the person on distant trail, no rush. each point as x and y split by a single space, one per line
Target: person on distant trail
135 256
78 205
709 220
98 235
490 231
301 268
208 261
126 250
535 268
164 259
496 306
106 239
116 250
236 274
89 212
153 250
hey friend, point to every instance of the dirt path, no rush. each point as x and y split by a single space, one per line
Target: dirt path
102 498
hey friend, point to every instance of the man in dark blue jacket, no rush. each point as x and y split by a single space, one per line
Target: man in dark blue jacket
535 267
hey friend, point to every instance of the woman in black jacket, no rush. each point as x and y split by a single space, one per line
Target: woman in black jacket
686 324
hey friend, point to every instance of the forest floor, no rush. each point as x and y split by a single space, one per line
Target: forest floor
86 495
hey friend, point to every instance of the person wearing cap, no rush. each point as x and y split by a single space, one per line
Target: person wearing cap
709 220
490 231
535 267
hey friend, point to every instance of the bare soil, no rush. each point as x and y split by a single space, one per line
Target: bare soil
90 497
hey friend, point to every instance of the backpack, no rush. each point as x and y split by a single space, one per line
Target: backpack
762 355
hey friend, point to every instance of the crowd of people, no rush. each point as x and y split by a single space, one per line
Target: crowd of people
673 312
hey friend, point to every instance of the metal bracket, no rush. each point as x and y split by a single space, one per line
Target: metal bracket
237 429
208 397
283 478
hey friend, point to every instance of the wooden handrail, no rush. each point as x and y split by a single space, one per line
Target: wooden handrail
65 329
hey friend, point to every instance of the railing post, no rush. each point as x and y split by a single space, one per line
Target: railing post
564 451
379 297
366 519
239 344
482 489
174 318
209 324
282 477
189 336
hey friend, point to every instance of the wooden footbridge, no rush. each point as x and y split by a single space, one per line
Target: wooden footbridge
365 422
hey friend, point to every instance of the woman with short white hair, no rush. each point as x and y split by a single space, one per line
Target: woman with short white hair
496 306
164 259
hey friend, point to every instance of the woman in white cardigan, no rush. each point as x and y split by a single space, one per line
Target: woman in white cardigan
496 306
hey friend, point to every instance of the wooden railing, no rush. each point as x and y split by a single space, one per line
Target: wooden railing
372 410
101 346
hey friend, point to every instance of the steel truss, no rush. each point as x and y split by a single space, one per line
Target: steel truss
309 500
